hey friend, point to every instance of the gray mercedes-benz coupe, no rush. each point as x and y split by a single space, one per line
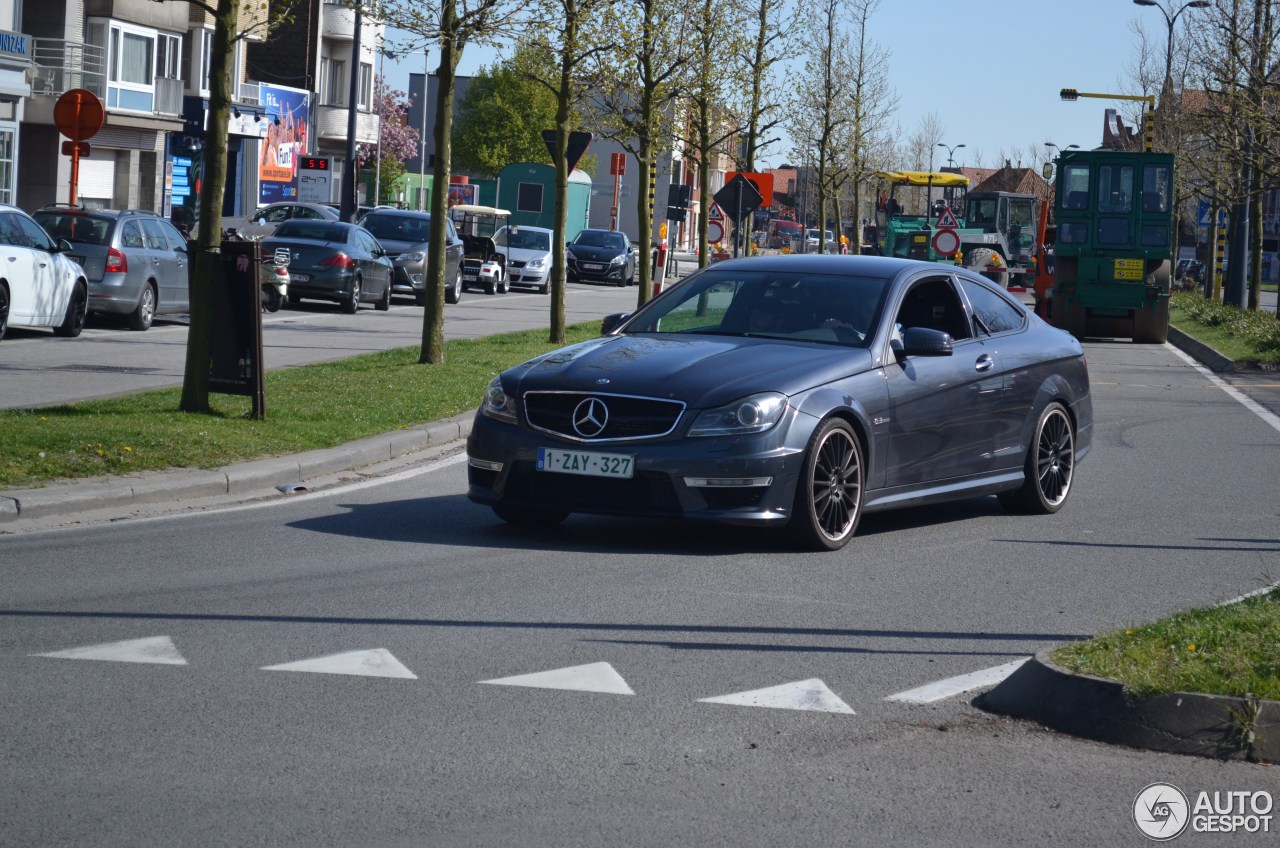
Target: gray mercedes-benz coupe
796 391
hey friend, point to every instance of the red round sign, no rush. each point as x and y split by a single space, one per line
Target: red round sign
715 231
79 114
946 242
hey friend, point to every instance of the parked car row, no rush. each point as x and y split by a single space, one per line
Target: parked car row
132 264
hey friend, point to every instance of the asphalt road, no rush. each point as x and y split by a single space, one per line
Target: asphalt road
1175 507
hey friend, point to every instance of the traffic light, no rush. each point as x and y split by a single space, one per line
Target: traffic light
678 196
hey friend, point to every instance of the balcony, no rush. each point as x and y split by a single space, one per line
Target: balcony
331 125
337 21
60 66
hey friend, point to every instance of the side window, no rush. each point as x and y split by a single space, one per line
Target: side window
1156 188
176 242
130 235
10 232
451 234
934 304
153 235
304 212
996 314
1075 187
274 216
33 233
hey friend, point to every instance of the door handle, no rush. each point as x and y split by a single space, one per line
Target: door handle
985 363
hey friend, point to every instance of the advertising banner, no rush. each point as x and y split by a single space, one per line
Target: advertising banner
285 142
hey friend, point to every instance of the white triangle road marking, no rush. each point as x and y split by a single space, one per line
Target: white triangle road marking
942 689
593 677
378 662
810 694
152 649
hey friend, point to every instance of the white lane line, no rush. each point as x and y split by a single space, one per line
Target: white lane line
592 677
152 649
1255 593
812 695
943 689
1232 392
378 662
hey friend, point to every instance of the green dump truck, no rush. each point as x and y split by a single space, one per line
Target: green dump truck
1114 248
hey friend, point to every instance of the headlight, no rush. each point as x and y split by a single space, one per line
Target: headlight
617 260
753 414
497 403
536 263
412 257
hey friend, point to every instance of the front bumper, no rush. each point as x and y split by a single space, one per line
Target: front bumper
595 271
717 478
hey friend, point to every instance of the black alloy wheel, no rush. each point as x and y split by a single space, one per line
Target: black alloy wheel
829 492
1050 465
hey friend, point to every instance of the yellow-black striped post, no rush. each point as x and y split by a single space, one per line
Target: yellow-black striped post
1149 130
653 186
1221 258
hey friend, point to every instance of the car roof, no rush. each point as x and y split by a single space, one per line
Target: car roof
881 266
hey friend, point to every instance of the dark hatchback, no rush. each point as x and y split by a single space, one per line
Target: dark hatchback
797 391
405 236
604 256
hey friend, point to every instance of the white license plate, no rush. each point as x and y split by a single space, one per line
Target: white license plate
590 266
79 260
469 276
586 463
299 278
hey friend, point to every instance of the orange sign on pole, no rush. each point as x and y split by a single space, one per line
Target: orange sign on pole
78 115
762 182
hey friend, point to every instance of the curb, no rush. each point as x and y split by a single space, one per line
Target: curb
1103 710
66 499
1213 360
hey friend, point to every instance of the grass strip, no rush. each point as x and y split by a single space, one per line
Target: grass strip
308 407
1239 334
1232 650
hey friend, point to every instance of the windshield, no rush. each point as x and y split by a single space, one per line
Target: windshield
601 238
74 227
411 228
778 304
528 239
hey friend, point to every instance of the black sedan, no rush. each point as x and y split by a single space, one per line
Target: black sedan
797 391
605 256
331 260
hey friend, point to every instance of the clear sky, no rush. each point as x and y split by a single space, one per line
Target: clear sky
990 70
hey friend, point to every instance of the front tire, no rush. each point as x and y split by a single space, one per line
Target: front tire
352 303
984 257
145 312
1050 466
77 310
384 302
829 492
4 309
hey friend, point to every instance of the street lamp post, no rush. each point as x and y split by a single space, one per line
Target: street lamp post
1071 95
951 149
1171 20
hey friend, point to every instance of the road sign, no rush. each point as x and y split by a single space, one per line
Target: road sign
578 143
81 148
618 164
946 241
739 197
762 182
947 220
314 175
1203 214
714 213
78 114
715 231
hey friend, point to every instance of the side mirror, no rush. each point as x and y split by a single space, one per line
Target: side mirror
611 322
64 246
922 341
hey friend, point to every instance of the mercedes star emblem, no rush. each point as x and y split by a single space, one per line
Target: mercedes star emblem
590 418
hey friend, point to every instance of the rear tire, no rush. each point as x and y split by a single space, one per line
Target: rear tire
77 310
829 491
529 516
982 257
453 294
351 305
145 312
419 298
1049 468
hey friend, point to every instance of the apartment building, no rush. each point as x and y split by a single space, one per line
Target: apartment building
15 88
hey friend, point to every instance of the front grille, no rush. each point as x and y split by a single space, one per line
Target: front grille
516 263
647 492
626 417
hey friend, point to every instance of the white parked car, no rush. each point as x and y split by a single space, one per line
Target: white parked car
39 285
528 255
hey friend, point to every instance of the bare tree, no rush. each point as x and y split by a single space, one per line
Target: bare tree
227 16
637 86
450 25
872 102
759 107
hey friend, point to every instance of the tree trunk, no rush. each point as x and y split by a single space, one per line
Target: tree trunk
561 161
645 165
433 310
204 264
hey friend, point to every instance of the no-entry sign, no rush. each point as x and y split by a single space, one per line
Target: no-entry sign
946 242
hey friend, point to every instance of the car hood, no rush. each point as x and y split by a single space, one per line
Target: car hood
593 254
395 247
524 254
702 371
